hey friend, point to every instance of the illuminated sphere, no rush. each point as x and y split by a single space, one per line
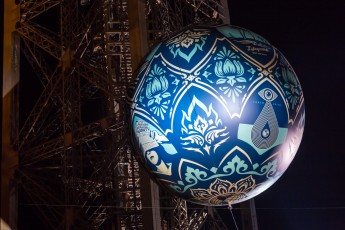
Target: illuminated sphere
217 114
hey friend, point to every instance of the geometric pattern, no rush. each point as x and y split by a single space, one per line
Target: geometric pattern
217 114
265 129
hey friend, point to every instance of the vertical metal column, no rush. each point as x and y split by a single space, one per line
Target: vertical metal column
10 78
139 47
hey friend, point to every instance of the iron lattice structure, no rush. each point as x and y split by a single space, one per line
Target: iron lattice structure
76 163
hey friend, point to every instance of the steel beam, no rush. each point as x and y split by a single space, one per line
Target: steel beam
46 40
33 8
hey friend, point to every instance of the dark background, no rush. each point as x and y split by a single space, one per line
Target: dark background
311 35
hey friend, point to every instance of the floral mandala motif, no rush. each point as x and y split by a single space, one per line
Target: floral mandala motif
230 72
221 191
156 92
202 128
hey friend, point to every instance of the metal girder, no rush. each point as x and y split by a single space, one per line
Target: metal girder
98 186
49 128
71 103
99 216
180 214
214 220
47 203
37 61
92 188
163 18
82 135
33 8
41 37
53 197
39 111
43 151
166 17
93 43
29 132
209 8
100 80
77 35
70 20
86 31
197 218
129 187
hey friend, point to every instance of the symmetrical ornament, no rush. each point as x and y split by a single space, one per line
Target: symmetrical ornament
217 114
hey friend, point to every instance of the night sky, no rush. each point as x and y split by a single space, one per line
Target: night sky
311 193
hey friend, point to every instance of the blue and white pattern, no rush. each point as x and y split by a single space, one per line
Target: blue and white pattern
217 114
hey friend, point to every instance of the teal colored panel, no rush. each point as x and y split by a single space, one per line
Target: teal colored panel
244 134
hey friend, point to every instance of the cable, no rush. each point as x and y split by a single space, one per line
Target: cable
171 207
230 208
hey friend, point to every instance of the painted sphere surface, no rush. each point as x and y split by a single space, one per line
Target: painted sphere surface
217 114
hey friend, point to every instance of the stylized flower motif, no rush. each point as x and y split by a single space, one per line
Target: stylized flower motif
224 54
291 85
229 70
155 72
190 41
221 191
156 92
201 124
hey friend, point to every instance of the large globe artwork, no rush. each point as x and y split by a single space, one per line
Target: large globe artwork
217 114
